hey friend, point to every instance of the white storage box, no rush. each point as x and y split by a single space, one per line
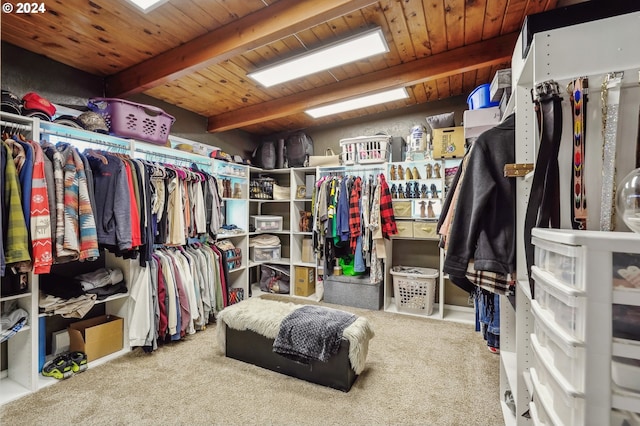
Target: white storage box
567 404
267 223
414 289
565 304
264 254
567 358
478 121
562 261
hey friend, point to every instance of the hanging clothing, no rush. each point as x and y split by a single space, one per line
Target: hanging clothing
484 222
16 250
41 244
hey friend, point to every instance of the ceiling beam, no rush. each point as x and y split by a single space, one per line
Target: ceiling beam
273 22
478 55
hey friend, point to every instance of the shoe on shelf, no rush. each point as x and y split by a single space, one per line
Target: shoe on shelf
58 368
78 361
493 350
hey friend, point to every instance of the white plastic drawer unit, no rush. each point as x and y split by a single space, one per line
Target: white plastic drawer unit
267 223
565 353
558 397
564 262
566 305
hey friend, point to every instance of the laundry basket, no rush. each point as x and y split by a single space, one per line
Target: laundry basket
414 289
366 150
132 120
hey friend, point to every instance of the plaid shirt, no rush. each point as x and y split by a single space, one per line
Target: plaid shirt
355 224
16 249
491 281
386 210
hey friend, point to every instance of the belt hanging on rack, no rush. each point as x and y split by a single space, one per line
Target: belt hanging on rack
543 208
610 105
578 90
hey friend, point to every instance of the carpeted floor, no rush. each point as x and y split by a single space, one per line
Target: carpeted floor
419 372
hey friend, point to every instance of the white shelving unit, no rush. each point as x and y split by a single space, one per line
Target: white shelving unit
417 242
552 55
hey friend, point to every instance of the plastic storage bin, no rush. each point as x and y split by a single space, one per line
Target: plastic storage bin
131 120
562 261
567 404
481 97
566 305
567 358
357 291
267 223
264 254
414 289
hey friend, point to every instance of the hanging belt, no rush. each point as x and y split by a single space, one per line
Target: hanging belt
543 208
578 91
610 102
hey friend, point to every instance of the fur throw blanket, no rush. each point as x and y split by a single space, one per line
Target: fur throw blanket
265 316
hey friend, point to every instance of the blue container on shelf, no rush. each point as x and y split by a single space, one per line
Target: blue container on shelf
481 98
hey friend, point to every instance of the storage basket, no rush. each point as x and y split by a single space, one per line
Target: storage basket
414 289
366 150
348 152
261 188
131 120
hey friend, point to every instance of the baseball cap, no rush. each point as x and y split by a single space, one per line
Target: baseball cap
34 102
69 120
35 113
11 103
94 122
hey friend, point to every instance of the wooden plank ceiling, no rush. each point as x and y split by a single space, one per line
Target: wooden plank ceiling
196 53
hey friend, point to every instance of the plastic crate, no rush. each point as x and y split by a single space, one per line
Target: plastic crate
132 120
261 188
481 97
414 289
366 150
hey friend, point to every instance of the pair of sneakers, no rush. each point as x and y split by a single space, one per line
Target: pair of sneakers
65 365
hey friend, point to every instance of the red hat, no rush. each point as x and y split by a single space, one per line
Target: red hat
33 101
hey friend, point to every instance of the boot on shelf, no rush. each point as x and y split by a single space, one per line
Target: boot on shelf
434 191
423 191
392 173
429 168
400 172
416 173
416 190
407 174
422 208
394 191
436 171
430 213
400 191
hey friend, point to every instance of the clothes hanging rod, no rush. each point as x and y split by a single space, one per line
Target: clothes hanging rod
15 125
174 157
84 138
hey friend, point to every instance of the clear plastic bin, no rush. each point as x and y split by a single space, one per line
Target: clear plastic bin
264 254
567 404
566 305
267 223
567 357
562 261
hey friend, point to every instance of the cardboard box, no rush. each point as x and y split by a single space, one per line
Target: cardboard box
305 281
448 142
307 250
97 337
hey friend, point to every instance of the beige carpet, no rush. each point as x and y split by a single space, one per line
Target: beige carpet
419 372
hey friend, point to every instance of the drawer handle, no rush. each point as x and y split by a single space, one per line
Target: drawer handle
401 228
427 229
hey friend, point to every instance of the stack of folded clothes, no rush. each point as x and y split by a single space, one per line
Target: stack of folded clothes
73 297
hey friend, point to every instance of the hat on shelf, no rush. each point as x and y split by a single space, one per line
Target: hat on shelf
11 103
35 105
69 120
94 122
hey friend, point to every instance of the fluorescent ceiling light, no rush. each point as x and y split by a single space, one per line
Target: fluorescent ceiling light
361 102
147 5
351 49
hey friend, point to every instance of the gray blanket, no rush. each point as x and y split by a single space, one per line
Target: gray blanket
311 333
